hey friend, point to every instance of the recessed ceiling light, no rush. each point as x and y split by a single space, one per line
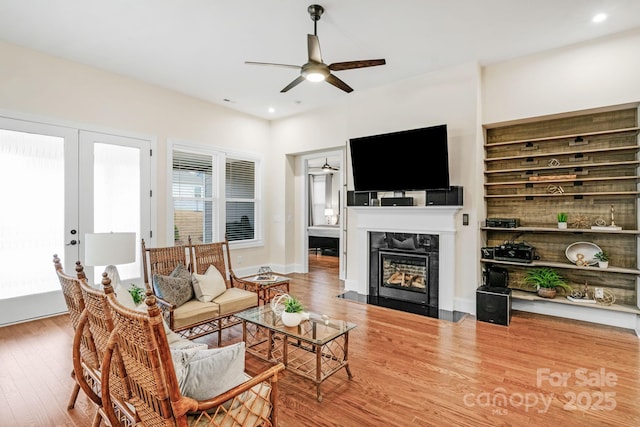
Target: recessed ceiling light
272 110
599 17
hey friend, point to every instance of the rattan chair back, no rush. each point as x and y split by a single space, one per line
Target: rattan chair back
100 323
86 375
217 254
155 394
163 261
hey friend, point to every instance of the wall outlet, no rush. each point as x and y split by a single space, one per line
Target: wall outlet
599 293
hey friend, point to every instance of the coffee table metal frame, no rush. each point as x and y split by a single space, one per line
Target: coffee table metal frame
316 349
266 289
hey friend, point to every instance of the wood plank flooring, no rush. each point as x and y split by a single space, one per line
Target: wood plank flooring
409 370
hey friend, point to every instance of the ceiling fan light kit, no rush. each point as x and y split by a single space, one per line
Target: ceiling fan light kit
315 70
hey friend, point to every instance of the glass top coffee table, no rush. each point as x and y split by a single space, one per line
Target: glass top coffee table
315 349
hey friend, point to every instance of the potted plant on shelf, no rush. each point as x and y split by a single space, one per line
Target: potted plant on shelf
603 259
562 220
292 313
546 281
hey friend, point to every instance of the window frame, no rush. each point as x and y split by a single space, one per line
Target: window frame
220 157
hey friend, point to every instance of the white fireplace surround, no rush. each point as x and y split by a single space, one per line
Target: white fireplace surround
438 220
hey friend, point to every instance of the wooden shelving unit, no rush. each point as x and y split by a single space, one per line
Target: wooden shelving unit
583 165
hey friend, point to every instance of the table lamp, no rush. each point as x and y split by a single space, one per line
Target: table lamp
329 214
110 249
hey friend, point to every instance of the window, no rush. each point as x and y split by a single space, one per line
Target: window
200 210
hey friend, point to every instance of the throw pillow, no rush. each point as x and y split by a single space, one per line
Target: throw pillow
175 290
404 244
182 272
209 285
203 374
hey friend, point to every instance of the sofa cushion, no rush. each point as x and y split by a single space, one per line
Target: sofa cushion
234 299
194 311
175 290
203 374
209 285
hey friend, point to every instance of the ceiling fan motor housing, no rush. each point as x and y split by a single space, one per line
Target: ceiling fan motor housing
316 11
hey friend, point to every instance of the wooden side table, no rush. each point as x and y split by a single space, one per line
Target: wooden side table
265 288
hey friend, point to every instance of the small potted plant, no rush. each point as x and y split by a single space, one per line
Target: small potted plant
562 220
603 259
546 281
292 314
137 293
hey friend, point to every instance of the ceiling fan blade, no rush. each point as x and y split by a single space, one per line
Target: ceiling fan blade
349 65
294 83
272 64
338 83
313 46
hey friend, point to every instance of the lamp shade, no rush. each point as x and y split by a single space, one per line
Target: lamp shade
109 248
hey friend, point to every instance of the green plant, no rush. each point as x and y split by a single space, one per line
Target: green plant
601 256
545 277
137 293
562 217
292 305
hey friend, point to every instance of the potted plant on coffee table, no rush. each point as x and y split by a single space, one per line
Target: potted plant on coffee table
547 281
292 313
603 259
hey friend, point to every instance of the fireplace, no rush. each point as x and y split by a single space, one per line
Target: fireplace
404 267
369 227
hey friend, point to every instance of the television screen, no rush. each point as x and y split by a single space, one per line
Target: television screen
408 160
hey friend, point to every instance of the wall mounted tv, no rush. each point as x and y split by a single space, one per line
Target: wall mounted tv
416 159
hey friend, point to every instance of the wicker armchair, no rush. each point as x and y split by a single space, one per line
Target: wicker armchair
97 316
86 364
141 340
220 312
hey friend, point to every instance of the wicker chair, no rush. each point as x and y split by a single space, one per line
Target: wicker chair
198 258
141 340
97 316
86 361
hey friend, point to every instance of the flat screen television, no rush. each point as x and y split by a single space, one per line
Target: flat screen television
416 159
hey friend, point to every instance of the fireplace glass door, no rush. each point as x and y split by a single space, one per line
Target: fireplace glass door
404 275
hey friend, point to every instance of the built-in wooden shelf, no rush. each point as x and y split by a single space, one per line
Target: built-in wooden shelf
531 155
560 230
530 296
563 265
576 179
563 167
634 129
565 195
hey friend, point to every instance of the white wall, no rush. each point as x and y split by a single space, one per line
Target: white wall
40 85
590 75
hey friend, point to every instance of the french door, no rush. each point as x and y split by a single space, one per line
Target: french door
59 183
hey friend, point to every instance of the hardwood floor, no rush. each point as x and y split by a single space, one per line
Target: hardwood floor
409 370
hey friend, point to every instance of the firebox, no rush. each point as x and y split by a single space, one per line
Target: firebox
403 275
404 268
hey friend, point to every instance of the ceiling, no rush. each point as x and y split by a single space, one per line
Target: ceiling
198 47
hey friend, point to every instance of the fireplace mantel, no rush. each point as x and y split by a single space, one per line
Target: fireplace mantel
439 220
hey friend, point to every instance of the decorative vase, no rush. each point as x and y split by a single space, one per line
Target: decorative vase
291 319
562 225
547 292
603 264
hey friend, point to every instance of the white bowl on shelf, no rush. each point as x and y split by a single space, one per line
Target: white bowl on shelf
587 249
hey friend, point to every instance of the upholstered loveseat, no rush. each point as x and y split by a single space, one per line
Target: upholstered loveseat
195 287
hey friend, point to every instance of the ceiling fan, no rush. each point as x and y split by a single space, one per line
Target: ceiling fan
315 69
327 168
